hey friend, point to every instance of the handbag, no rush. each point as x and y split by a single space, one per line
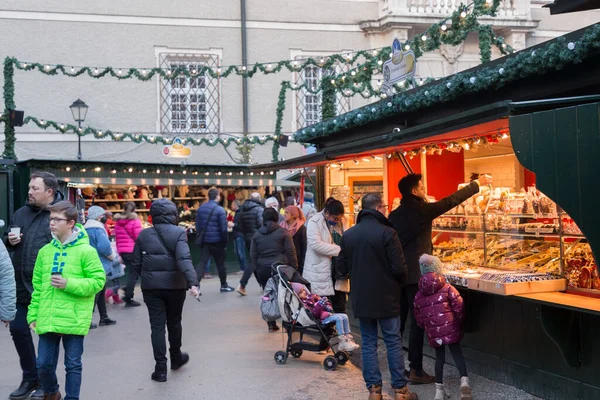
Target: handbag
200 234
342 285
117 270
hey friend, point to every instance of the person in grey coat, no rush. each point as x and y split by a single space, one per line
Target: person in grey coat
8 288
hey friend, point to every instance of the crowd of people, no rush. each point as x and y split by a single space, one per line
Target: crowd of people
52 263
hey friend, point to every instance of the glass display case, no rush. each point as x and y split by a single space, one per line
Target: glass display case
522 236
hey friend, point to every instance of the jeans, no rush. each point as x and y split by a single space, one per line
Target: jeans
165 306
417 334
217 251
390 328
21 335
342 325
47 362
440 360
207 268
240 251
132 277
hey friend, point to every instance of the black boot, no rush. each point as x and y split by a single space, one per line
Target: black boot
107 321
179 361
23 392
272 326
131 303
160 373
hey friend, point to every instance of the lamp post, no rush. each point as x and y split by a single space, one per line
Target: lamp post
79 110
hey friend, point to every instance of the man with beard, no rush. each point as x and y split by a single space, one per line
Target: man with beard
34 221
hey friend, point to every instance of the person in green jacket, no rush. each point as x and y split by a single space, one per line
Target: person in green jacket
67 275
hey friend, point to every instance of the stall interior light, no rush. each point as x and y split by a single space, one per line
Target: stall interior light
97 169
366 159
158 171
355 161
271 172
377 158
68 169
171 171
144 171
389 155
83 169
334 165
504 135
114 171
130 169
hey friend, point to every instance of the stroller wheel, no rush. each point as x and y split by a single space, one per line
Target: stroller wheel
296 353
342 357
281 357
330 363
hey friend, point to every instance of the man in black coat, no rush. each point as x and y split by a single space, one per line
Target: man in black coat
33 219
161 257
412 221
248 221
372 255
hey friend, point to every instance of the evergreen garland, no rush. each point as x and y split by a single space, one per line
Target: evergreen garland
9 104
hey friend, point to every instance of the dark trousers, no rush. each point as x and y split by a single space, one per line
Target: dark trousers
338 302
132 277
249 269
404 309
101 303
416 335
165 306
440 360
21 335
217 252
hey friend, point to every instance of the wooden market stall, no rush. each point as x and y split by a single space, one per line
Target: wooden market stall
521 252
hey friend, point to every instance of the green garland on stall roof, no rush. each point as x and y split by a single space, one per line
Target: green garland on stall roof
551 57
485 43
9 104
139 138
146 74
279 118
328 108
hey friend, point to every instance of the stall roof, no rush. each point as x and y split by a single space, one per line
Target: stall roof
566 66
569 6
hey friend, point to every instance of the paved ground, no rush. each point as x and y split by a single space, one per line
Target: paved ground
231 358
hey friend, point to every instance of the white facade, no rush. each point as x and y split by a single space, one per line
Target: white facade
140 33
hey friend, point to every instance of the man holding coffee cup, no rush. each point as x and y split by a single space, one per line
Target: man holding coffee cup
29 232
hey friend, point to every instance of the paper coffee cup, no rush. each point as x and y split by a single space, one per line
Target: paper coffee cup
15 230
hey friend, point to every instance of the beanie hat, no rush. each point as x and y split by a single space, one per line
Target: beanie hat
298 287
94 212
272 202
430 264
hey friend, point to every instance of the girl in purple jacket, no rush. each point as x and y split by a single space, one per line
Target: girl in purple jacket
440 311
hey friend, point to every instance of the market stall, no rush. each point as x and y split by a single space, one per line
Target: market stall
522 251
111 185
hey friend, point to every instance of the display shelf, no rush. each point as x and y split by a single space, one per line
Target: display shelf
524 234
456 231
95 201
136 210
461 215
574 237
188 198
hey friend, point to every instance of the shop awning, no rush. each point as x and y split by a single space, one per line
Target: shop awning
253 182
569 6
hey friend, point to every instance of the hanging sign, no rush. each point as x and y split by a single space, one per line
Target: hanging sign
401 66
177 149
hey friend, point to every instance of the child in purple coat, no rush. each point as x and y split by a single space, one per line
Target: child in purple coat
440 311
322 310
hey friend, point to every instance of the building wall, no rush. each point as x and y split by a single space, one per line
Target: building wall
126 34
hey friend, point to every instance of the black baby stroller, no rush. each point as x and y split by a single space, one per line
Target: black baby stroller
296 318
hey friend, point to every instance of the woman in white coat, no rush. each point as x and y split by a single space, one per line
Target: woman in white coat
323 233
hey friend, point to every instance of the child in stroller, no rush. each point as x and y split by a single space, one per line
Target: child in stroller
323 311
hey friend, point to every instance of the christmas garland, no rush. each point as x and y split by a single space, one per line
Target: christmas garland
551 57
9 104
139 137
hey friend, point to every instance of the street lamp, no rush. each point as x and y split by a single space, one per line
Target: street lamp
79 111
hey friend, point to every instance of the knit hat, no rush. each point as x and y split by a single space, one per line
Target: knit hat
94 212
272 202
430 264
297 287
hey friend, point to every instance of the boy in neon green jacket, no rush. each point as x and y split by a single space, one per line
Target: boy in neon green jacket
67 275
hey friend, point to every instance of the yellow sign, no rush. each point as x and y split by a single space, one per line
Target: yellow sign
177 149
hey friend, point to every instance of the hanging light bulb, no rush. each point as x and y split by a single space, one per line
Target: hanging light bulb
463 14
424 38
158 171
407 47
171 171
97 169
444 27
68 169
144 171
130 169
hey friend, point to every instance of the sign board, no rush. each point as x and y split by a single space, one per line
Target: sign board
177 149
401 66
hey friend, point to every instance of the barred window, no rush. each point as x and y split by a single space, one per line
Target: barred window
190 105
308 105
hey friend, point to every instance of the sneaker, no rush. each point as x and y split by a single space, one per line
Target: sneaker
117 299
24 390
93 325
420 377
207 276
404 394
440 392
107 321
241 290
375 392
226 288
347 343
132 303
465 389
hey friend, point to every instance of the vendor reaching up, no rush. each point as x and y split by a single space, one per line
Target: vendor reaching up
412 221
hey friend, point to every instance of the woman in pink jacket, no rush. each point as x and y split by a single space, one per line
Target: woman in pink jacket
127 229
440 311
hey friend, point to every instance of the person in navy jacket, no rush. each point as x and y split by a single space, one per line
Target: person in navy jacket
211 228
